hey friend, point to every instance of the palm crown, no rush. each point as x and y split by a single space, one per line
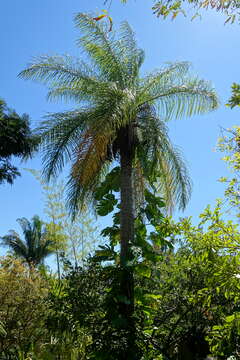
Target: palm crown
111 96
35 247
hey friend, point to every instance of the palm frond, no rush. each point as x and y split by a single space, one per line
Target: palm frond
14 242
35 247
67 93
90 161
131 54
29 236
63 69
169 76
60 135
78 196
189 97
178 186
86 91
63 72
187 100
162 164
103 50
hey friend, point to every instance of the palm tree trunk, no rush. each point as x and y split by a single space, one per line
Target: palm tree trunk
126 240
127 212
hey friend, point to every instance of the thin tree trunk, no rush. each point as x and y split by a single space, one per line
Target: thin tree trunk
75 255
71 236
82 243
57 250
58 265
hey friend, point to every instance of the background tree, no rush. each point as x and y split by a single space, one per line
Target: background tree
83 237
23 309
55 210
116 120
16 139
198 288
73 239
36 245
228 143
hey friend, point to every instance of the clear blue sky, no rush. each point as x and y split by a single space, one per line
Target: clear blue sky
31 28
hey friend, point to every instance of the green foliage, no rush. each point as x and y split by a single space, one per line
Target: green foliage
92 296
152 229
199 290
88 303
146 250
224 337
16 140
75 307
165 8
22 304
186 300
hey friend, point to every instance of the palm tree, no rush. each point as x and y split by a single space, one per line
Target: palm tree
35 247
120 116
